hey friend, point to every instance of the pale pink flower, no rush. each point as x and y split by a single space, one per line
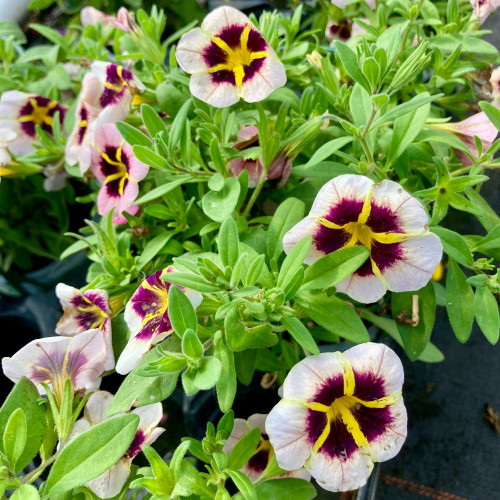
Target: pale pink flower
481 9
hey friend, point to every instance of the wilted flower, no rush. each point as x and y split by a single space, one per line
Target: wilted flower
280 167
78 147
476 125
352 210
229 59
53 360
340 412
92 16
85 311
264 452
146 315
119 171
481 9
111 482
20 113
495 86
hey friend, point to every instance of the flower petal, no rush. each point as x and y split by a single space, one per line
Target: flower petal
97 406
224 17
364 289
219 95
131 356
109 484
240 429
306 227
189 51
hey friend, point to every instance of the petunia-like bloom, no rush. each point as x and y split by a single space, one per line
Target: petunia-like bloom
476 125
229 59
21 112
280 167
118 170
53 360
352 210
78 147
264 452
340 413
146 315
111 482
481 9
92 16
85 311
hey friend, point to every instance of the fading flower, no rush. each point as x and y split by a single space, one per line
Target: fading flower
340 413
481 9
476 125
90 16
85 311
281 166
112 481
55 177
229 59
352 210
119 171
264 452
21 112
146 315
53 360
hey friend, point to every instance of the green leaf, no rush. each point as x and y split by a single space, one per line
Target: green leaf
459 301
489 219
161 190
180 311
470 44
243 484
91 454
360 105
293 261
26 492
228 243
191 345
226 385
351 65
244 449
415 338
219 205
335 315
300 333
208 373
146 155
327 150
281 489
194 482
132 135
454 245
286 216
490 241
140 391
152 121
486 313
323 170
153 247
239 338
334 267
190 280
14 437
178 126
24 395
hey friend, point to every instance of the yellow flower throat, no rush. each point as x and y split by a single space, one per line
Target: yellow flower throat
39 114
121 173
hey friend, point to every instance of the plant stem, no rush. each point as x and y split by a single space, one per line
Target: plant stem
29 478
255 193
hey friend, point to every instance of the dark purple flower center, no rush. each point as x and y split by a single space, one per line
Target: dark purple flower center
39 111
87 312
340 29
115 167
117 80
136 444
260 459
83 124
235 55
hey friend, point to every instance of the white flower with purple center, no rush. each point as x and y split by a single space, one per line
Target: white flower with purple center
352 210
85 311
21 113
264 452
112 481
481 9
340 413
119 171
146 315
229 59
81 359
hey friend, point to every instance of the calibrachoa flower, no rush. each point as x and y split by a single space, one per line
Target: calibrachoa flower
479 125
118 170
78 147
264 452
111 482
280 167
146 315
21 113
92 16
481 9
84 311
52 360
229 59
340 412
353 210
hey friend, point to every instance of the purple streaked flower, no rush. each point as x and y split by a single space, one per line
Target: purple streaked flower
264 452
21 112
146 315
340 413
352 210
229 59
53 360
118 170
85 311
481 9
109 484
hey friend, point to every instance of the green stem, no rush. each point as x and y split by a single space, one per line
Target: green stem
255 193
29 478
